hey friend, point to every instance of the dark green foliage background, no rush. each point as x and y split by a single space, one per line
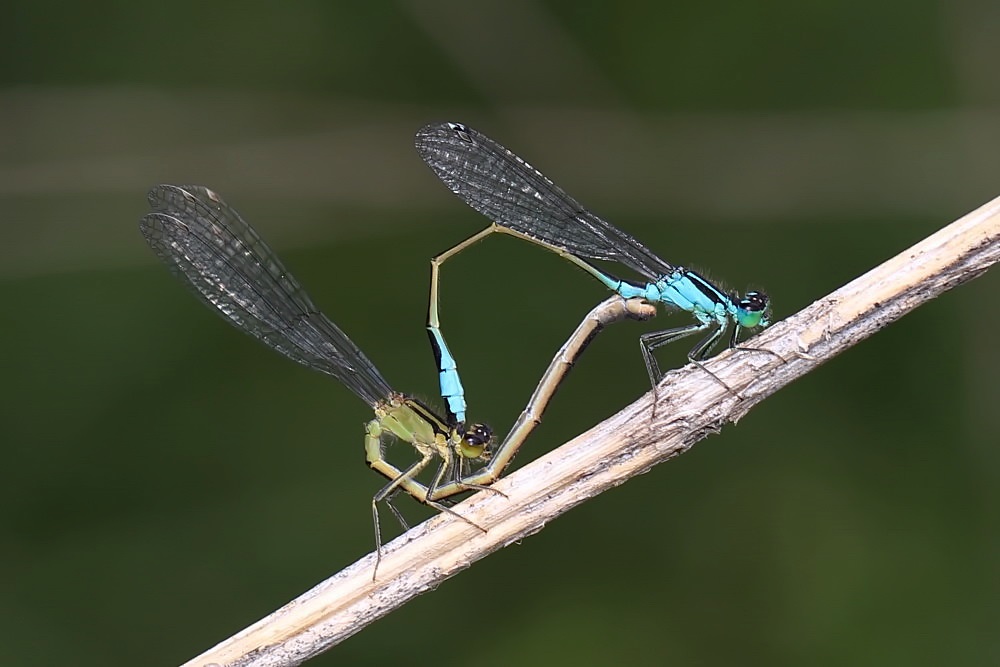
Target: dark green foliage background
167 481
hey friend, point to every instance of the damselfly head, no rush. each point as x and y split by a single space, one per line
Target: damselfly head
475 440
752 310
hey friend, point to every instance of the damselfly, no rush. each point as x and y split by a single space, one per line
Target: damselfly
522 202
231 269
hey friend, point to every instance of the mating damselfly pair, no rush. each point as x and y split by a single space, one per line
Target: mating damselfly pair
216 253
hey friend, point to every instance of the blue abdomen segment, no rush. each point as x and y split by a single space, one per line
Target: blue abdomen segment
452 390
681 289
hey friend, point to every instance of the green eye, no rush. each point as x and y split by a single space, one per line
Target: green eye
751 310
750 319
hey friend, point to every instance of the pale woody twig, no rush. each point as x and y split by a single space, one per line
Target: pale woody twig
691 406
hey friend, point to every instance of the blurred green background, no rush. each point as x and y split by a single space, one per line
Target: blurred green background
167 481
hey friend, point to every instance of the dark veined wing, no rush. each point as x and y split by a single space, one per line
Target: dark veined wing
212 250
513 194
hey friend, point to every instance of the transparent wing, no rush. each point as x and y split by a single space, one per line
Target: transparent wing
218 255
512 193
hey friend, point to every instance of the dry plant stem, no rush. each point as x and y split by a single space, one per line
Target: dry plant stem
691 407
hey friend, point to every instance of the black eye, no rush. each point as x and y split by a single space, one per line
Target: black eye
754 302
478 435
